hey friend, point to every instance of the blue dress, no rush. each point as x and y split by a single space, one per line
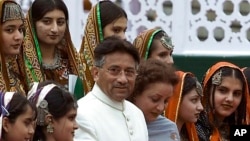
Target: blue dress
163 129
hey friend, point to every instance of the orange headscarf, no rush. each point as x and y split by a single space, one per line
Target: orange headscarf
172 109
248 102
209 74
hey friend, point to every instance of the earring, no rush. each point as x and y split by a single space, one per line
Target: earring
50 128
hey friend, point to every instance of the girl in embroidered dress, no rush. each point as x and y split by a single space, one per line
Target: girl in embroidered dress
11 38
48 51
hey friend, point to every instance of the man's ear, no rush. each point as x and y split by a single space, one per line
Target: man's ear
95 72
6 124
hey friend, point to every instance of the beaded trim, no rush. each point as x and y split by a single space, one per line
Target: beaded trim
12 11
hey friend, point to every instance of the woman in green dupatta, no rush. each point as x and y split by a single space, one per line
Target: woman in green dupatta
11 37
48 51
105 19
155 43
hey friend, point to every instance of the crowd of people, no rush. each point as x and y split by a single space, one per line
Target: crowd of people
129 91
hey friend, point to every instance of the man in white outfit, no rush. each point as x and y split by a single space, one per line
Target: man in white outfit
104 114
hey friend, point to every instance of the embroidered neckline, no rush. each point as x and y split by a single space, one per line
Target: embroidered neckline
56 63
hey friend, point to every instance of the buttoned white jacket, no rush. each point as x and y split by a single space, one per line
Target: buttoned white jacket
101 119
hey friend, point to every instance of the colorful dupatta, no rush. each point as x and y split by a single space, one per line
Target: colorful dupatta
11 73
144 41
172 109
209 74
93 35
32 56
4 80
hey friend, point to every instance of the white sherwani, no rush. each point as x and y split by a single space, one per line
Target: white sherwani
101 119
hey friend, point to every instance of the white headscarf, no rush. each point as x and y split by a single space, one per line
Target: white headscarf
39 95
5 100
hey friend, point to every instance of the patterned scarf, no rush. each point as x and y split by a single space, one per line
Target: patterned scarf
32 56
93 35
10 10
144 40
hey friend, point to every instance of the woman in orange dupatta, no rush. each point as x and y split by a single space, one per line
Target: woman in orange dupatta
155 43
185 105
11 37
105 19
225 99
48 50
246 71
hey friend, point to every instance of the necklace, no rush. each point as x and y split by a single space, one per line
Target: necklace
56 63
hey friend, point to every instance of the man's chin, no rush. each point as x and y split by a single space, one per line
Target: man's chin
121 96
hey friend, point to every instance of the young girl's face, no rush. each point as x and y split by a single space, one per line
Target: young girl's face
65 127
161 53
12 37
227 97
22 129
117 27
51 28
190 107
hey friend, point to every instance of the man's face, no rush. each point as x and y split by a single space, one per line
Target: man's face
116 78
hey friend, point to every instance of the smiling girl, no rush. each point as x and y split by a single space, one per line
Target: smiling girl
225 100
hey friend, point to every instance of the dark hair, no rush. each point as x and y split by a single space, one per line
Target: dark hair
18 105
190 82
109 12
60 102
114 44
152 71
156 37
41 7
240 112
